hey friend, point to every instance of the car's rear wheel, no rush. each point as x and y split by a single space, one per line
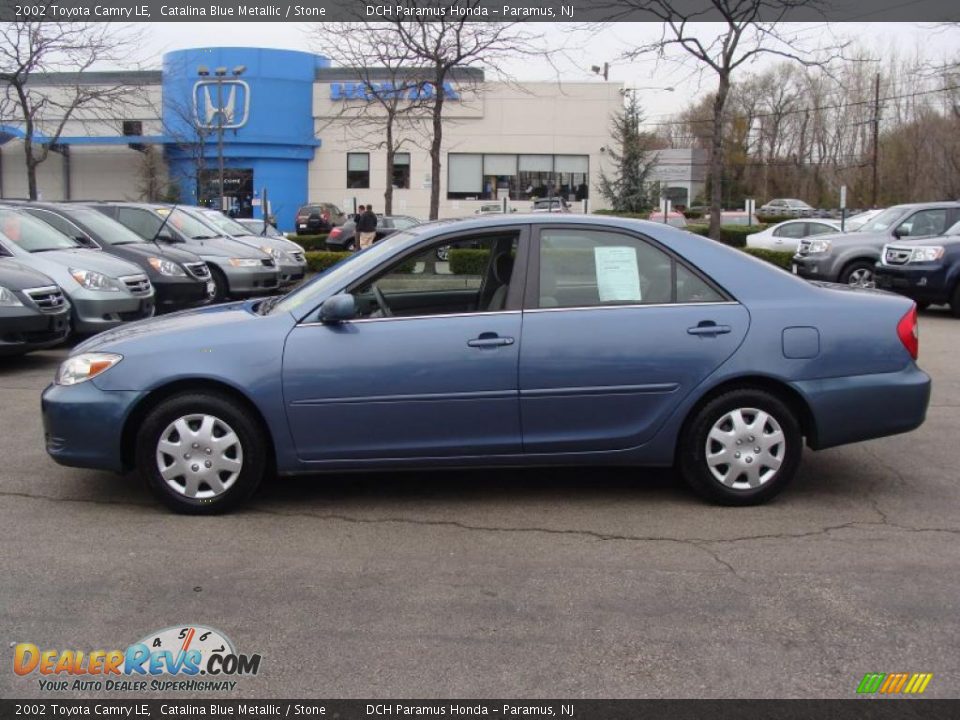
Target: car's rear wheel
199 453
859 274
741 448
221 288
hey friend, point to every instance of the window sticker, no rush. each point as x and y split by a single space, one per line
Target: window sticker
618 277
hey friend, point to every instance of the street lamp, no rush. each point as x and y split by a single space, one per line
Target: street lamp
220 73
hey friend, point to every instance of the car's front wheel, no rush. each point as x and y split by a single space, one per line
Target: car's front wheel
199 453
221 288
858 274
741 448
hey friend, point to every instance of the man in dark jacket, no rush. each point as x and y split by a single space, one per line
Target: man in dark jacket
367 227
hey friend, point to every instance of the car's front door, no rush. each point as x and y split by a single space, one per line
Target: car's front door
427 369
616 332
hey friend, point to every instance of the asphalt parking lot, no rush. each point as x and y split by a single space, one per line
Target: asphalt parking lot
559 583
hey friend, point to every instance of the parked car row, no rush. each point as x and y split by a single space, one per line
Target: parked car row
84 267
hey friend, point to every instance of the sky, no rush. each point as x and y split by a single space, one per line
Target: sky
579 48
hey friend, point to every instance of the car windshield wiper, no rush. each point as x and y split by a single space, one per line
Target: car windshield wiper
267 305
203 237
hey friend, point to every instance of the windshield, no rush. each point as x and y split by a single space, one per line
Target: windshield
31 234
186 224
336 278
883 221
224 224
109 231
256 227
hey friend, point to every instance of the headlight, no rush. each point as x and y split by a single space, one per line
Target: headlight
275 253
94 281
244 262
819 246
85 366
926 253
165 267
8 299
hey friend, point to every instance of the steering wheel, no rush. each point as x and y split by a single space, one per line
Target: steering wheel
382 302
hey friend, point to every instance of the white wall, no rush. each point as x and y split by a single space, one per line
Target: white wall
572 119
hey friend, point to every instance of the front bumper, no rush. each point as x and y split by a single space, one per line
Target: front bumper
83 425
248 282
95 311
813 267
291 273
923 282
180 293
864 407
25 329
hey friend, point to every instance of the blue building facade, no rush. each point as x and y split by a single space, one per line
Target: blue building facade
264 102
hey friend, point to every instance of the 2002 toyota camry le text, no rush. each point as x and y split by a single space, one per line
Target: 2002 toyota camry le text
536 340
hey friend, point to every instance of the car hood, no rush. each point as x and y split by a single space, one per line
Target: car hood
224 247
16 276
149 249
258 241
202 319
852 238
945 240
83 259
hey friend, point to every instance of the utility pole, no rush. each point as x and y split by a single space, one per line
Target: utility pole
876 138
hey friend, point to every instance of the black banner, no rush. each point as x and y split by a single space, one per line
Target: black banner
500 709
472 10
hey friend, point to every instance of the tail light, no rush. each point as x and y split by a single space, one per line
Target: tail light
909 332
335 233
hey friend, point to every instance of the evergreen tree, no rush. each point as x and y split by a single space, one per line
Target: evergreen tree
627 190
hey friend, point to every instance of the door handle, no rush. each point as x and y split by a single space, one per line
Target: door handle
489 340
708 327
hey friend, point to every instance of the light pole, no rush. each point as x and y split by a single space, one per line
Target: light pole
220 73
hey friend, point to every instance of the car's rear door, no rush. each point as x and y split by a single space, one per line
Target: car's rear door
437 378
616 331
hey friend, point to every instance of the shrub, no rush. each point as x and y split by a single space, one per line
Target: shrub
318 261
468 261
309 242
733 235
693 214
776 257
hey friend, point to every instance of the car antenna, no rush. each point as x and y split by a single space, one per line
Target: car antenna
156 235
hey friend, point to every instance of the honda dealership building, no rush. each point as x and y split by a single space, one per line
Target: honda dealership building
288 125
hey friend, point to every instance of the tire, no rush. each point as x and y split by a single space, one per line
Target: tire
222 290
955 302
859 273
233 470
743 483
921 306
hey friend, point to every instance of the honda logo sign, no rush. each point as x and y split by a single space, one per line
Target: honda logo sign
226 102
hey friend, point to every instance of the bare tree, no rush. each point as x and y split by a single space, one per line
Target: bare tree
749 29
30 51
393 93
441 45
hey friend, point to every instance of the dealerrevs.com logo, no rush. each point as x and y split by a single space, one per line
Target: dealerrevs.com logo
186 658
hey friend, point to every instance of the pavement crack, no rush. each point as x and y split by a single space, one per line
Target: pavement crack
91 501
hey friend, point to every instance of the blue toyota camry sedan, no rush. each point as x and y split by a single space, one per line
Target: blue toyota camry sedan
519 340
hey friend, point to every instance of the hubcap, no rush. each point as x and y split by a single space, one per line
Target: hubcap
862 278
208 437
745 448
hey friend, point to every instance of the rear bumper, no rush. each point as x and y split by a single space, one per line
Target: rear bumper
922 283
28 330
83 425
864 407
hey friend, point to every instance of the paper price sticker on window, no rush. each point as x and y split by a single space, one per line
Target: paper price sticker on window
618 277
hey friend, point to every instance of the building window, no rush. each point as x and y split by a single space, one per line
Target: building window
358 170
401 171
496 176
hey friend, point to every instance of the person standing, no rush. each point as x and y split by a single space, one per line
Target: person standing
367 227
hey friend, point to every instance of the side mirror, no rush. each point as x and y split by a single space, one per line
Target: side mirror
900 232
86 242
338 308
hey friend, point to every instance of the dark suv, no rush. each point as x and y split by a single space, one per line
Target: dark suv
926 270
318 218
34 314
